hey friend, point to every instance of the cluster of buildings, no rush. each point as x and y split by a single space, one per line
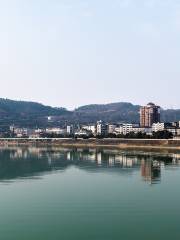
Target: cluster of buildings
150 118
149 123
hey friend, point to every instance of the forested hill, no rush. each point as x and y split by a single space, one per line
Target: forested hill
32 114
113 112
120 112
23 113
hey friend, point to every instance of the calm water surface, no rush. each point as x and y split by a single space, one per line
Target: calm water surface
88 194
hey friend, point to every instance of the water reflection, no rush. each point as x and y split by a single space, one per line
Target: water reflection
32 162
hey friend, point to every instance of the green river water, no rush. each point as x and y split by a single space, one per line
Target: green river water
88 194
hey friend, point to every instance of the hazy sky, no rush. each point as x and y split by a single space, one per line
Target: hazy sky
75 52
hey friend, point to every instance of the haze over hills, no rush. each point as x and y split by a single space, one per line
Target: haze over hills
32 114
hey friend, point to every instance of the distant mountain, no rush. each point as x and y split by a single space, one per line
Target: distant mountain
23 113
113 112
120 112
170 115
32 114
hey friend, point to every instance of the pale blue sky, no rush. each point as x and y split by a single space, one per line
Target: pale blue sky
75 52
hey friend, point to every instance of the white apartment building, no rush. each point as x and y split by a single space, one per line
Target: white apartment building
146 130
82 132
91 128
156 127
39 130
127 128
170 127
178 131
111 128
119 130
172 130
70 129
55 130
101 128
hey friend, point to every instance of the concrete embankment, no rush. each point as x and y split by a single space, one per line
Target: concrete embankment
110 143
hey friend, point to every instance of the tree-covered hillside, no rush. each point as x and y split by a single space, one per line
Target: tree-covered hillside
23 113
113 112
32 114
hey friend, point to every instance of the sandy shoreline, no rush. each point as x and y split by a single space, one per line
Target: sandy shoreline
94 143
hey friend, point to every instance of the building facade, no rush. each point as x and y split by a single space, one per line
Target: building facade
91 128
149 114
172 127
111 128
101 128
70 129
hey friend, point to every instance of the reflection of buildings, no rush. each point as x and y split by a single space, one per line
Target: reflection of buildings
126 161
176 159
150 170
99 158
25 152
17 162
108 159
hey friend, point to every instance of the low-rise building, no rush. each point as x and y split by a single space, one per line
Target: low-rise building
20 132
145 130
39 130
55 131
172 130
127 128
91 128
172 127
178 131
118 130
82 133
111 128
156 127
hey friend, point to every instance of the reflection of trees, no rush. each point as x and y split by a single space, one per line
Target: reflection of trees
32 161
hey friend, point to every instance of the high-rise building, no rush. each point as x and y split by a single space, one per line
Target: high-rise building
149 114
101 128
70 129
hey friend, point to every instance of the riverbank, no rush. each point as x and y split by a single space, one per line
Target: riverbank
93 143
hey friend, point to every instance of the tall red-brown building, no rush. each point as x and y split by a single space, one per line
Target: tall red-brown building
149 114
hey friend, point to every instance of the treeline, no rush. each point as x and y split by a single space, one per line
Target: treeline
155 135
131 135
